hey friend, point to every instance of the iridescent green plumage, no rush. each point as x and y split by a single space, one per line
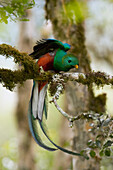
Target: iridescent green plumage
65 62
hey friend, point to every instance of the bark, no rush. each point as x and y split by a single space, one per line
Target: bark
79 97
26 152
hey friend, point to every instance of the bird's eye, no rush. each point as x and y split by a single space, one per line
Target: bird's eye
69 61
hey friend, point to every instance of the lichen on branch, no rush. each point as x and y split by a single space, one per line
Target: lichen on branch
98 78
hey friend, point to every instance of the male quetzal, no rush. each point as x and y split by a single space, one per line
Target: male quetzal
51 55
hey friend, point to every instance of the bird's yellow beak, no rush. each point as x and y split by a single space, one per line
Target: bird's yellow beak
76 66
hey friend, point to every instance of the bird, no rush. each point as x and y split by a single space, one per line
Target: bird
52 55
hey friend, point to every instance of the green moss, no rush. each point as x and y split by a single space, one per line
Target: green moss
30 69
99 78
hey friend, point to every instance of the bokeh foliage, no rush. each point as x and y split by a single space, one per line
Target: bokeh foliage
101 125
14 9
76 11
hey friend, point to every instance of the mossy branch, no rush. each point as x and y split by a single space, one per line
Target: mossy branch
30 70
98 78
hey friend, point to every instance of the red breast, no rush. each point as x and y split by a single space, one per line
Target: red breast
46 61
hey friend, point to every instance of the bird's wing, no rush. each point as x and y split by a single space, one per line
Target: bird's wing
44 46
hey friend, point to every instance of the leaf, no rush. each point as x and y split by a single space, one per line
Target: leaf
15 9
98 143
106 122
107 152
101 153
89 142
25 1
92 144
76 11
9 9
83 153
111 135
108 143
24 19
92 153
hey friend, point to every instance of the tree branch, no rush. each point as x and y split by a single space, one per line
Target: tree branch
30 70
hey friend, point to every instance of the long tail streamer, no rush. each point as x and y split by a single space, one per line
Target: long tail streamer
34 130
60 148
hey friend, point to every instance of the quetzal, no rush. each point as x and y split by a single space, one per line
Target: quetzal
51 55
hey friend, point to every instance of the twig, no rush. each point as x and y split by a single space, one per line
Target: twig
56 78
71 119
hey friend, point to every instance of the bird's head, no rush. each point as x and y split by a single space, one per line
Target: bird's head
70 61
64 61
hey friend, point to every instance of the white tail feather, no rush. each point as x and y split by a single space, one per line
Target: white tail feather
41 101
35 100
